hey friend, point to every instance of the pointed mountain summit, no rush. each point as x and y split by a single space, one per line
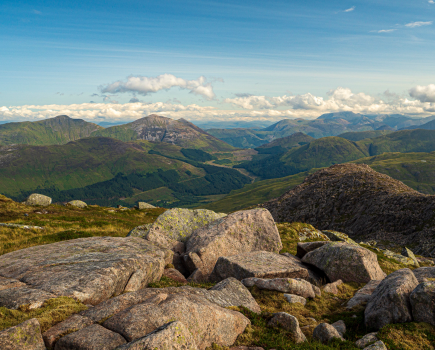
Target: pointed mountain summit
53 131
162 129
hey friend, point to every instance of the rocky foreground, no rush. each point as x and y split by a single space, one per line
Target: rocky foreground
232 259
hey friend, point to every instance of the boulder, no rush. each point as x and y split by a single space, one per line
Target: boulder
175 275
408 253
293 298
77 204
305 247
332 287
423 303
207 322
171 336
336 236
285 285
340 326
379 345
88 269
144 205
345 261
315 275
93 337
25 336
325 332
290 324
424 273
71 324
14 298
389 302
242 231
367 339
363 295
258 264
398 257
38 199
231 292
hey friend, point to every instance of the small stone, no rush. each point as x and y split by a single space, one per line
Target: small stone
25 336
408 253
340 326
379 345
292 298
332 287
325 332
289 323
367 339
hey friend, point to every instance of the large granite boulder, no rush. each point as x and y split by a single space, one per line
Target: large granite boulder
347 262
304 248
207 322
258 264
77 204
242 231
423 273
171 336
25 336
38 199
390 302
362 296
290 324
423 303
285 285
89 269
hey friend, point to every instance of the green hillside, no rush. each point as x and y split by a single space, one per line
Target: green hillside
161 129
358 136
54 131
242 138
284 143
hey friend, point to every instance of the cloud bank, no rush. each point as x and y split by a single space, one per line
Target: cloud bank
148 85
420 102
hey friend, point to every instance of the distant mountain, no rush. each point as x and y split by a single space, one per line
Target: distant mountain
229 124
427 126
361 135
362 203
54 131
161 129
242 138
285 143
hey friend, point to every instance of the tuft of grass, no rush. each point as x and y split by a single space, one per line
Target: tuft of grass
168 282
289 233
52 312
408 336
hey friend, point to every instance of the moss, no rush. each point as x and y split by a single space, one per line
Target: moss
52 312
168 282
408 336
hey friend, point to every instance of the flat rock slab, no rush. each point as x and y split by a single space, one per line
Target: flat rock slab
258 264
25 336
13 298
285 285
363 295
171 336
345 261
6 283
89 269
93 337
72 324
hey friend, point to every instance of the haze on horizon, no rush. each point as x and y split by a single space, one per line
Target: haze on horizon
215 60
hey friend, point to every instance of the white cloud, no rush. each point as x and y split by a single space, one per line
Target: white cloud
147 85
431 2
350 9
423 93
418 24
250 102
36 12
386 30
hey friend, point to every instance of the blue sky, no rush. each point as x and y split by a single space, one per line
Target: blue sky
250 53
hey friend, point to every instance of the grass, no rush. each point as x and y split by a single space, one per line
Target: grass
408 336
52 312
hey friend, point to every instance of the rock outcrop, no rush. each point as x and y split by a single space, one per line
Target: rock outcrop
363 203
242 231
422 303
350 263
285 285
289 323
25 336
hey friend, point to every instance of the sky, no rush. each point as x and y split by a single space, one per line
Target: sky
215 60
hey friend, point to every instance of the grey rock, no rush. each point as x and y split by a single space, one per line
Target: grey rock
38 199
139 231
25 227
289 323
144 205
311 233
286 285
242 231
207 322
398 257
175 275
345 261
389 302
422 302
332 287
71 324
13 298
408 253
305 247
258 264
325 332
25 336
89 269
171 336
340 326
368 338
293 298
423 273
379 345
363 295
6 283
93 337
315 276
77 204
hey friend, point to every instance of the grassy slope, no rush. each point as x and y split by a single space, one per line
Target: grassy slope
289 141
53 131
358 136
81 163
